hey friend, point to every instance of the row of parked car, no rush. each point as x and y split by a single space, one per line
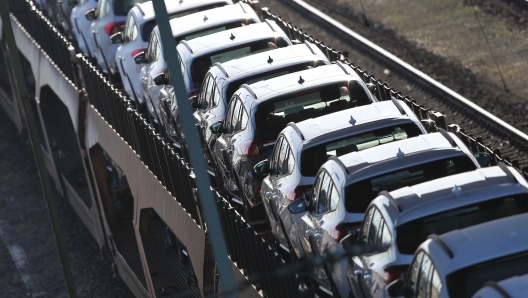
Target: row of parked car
303 146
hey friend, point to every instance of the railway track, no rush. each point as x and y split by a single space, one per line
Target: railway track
430 96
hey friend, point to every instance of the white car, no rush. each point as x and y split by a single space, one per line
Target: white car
513 287
459 263
313 141
399 221
346 185
81 26
134 38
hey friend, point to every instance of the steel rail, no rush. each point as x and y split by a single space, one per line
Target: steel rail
378 53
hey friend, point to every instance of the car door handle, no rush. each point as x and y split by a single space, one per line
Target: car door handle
367 277
318 236
321 222
269 194
275 197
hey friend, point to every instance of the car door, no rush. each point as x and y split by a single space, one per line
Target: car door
157 67
125 63
103 9
147 70
269 189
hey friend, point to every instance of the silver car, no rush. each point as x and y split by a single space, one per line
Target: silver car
513 287
134 38
399 221
258 113
346 185
109 18
81 26
313 141
195 26
459 263
223 79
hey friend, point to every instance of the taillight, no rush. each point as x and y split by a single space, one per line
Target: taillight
112 28
302 190
392 273
250 148
135 52
344 229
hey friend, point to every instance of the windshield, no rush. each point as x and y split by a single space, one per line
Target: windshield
410 235
467 281
201 65
272 116
313 158
358 195
211 30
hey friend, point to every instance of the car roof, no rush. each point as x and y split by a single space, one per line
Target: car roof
322 75
421 148
221 40
212 17
482 242
454 191
516 286
367 117
147 8
259 62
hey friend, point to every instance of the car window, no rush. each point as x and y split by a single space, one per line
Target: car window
285 158
363 238
233 118
436 285
334 198
424 277
411 234
414 272
151 48
103 7
207 94
324 198
358 195
215 97
375 226
130 32
229 115
312 158
275 157
203 90
244 118
316 189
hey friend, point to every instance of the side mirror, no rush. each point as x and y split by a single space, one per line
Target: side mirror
483 159
298 206
216 128
116 38
194 102
90 14
160 79
396 288
262 168
139 58
429 125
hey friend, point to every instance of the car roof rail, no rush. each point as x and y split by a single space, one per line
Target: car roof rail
187 45
342 67
340 163
270 25
442 244
507 171
494 285
296 128
448 137
246 86
309 47
398 105
242 6
219 65
391 199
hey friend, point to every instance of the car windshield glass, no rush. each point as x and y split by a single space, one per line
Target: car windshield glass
122 7
233 86
273 115
467 281
410 235
211 30
201 65
358 195
313 158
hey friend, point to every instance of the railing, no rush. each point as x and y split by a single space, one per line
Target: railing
247 249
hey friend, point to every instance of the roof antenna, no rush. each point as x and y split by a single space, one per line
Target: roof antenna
491 51
300 80
456 190
205 18
352 120
270 60
400 154
181 1
232 36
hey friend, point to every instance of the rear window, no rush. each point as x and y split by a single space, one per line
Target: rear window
233 86
201 65
313 158
273 115
358 195
467 281
211 30
410 235
149 26
122 7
